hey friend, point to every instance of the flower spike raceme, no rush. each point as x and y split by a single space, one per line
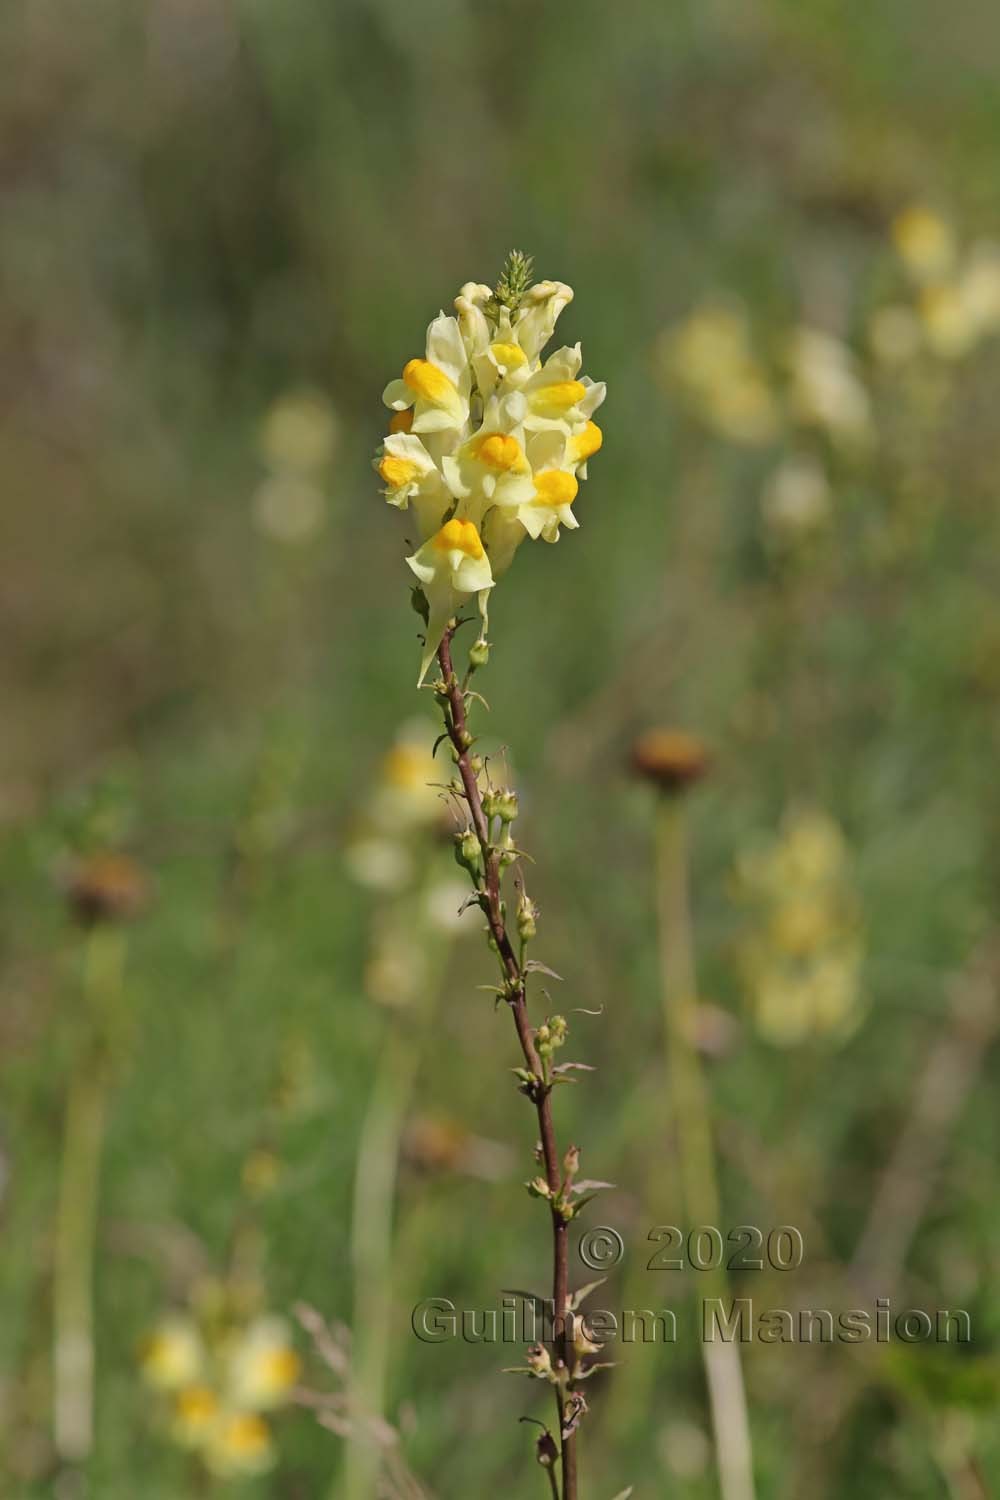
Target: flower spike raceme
488 441
488 445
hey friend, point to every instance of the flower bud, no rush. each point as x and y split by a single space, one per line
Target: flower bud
539 1188
479 653
571 1162
582 1341
508 850
527 916
559 1029
468 853
507 809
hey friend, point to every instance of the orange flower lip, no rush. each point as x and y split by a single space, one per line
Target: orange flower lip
459 536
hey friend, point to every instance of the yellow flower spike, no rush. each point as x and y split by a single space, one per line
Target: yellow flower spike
555 487
499 451
426 380
586 443
488 440
558 398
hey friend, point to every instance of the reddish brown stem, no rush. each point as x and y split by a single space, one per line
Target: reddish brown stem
492 904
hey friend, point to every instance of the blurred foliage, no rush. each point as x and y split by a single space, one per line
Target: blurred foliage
225 226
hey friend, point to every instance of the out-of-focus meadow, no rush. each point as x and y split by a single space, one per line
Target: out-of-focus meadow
225 226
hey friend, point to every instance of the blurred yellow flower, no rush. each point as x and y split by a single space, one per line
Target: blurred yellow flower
299 433
894 334
240 1444
949 327
261 1365
219 1374
796 501
194 1413
710 356
827 390
801 954
289 508
925 241
173 1355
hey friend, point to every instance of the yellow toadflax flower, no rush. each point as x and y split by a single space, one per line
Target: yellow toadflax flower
488 444
195 1411
261 1366
450 567
173 1355
240 1444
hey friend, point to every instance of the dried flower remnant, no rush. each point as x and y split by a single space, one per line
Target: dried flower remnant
108 886
801 958
671 759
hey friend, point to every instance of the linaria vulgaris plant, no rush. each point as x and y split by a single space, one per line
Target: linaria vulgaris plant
486 448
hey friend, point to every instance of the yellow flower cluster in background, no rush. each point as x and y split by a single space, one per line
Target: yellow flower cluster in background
402 808
955 301
297 442
401 847
801 955
809 381
216 1381
488 442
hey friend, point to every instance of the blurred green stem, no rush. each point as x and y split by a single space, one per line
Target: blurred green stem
693 1130
79 1183
371 1252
